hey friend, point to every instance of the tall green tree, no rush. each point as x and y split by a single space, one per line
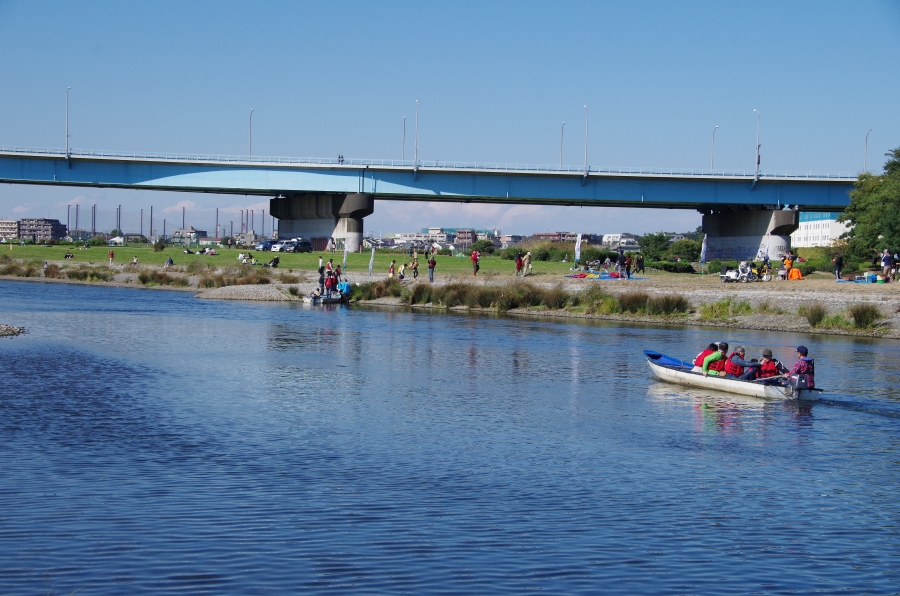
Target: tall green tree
654 245
874 211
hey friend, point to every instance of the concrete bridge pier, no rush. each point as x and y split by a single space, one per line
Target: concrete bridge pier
319 217
747 234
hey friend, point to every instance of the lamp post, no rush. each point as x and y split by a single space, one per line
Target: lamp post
250 136
585 139
757 142
562 131
416 158
712 154
403 151
866 156
67 121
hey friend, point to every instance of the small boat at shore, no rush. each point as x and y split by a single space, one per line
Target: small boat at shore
673 370
324 300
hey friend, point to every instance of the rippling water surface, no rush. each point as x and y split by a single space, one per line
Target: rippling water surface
151 441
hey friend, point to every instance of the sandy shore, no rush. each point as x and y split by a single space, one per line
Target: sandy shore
782 299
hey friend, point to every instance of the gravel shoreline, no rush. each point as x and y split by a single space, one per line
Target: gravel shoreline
786 297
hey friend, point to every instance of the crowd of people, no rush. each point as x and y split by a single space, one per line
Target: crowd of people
715 360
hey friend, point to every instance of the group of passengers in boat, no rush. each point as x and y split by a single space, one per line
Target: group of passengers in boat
715 360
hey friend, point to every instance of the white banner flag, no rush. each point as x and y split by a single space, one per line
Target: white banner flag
371 261
344 266
578 248
703 250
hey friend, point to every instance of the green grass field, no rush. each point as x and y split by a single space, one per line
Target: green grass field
356 263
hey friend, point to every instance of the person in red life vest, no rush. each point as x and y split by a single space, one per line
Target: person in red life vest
770 367
329 284
698 361
803 373
475 265
738 368
714 364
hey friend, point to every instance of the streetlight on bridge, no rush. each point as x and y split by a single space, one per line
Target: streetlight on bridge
585 139
757 142
67 121
561 133
712 155
866 156
250 139
403 151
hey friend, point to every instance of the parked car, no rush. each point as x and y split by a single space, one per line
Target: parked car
304 246
285 247
279 246
266 245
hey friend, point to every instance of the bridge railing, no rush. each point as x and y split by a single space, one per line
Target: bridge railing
448 165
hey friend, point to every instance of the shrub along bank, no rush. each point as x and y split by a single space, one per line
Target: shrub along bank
523 295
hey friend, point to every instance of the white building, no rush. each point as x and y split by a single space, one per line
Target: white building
9 228
624 240
817 229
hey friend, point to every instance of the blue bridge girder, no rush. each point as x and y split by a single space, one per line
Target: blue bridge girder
427 181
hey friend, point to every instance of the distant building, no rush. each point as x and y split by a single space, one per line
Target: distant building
9 228
623 240
41 229
817 229
555 236
187 235
466 237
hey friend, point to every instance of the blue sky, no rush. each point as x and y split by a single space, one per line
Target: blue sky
494 80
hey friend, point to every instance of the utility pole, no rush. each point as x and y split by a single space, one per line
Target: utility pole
151 224
562 132
76 219
67 123
217 224
403 151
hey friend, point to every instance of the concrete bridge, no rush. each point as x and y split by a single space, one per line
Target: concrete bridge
330 197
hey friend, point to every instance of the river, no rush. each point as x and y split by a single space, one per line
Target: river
152 441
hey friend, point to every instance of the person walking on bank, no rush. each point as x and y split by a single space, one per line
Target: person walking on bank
475 265
887 263
518 263
431 265
391 269
838 262
415 268
111 257
526 264
639 264
628 266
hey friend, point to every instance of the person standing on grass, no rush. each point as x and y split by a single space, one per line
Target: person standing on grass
639 264
628 266
526 264
112 255
431 265
415 268
475 266
518 263
838 262
887 263
391 269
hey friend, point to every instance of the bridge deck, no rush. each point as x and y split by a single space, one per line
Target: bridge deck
432 181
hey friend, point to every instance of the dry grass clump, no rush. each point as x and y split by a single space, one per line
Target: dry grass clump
290 278
245 276
53 272
148 277
198 266
864 315
814 312
633 302
377 289
19 270
90 274
724 309
668 304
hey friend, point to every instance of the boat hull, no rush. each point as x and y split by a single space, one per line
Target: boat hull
681 375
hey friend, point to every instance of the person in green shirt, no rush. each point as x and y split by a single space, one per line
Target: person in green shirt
714 364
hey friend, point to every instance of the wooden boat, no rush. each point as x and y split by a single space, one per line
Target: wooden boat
677 371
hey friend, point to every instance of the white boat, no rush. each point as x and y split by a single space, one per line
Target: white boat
677 371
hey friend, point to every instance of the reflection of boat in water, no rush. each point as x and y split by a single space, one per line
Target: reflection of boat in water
677 371
666 392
